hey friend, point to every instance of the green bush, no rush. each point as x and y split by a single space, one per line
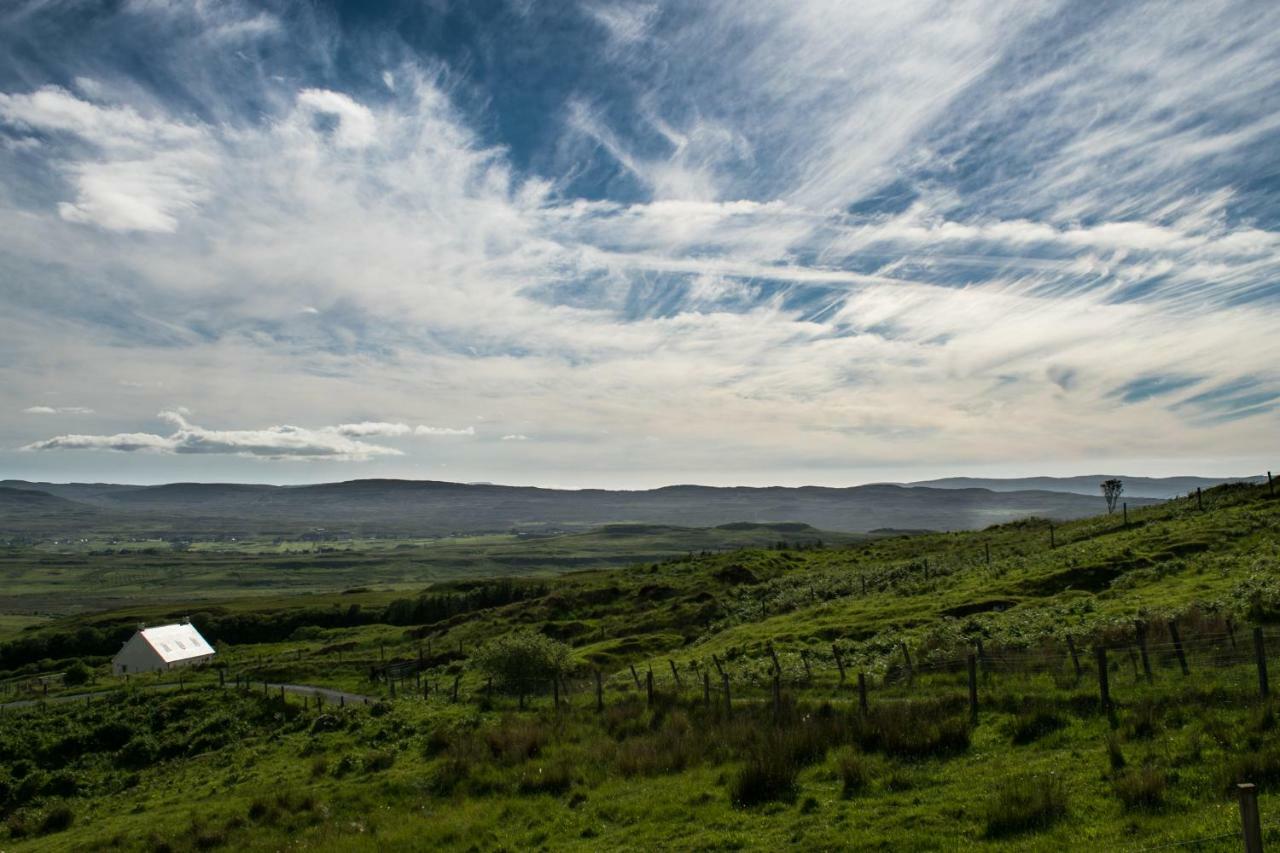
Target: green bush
57 819
522 662
76 674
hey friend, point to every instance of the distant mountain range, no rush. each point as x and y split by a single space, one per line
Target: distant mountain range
1134 487
407 507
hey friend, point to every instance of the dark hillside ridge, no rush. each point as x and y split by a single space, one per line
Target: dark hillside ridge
425 507
1163 488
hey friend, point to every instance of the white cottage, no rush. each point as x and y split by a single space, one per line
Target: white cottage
162 647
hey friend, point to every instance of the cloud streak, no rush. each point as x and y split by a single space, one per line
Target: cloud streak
338 443
902 231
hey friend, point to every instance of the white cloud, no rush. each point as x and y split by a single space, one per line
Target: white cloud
57 410
515 437
144 173
357 127
276 442
432 430
372 428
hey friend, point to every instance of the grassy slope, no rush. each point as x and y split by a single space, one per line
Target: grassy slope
642 779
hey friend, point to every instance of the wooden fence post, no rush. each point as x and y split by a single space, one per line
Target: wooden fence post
986 546
1104 683
728 701
906 656
1199 499
649 688
1177 647
706 688
391 683
862 693
222 678
839 663
1249 822
1125 506
456 680
1260 651
1075 657
1231 632
715 660
804 659
1271 486
1053 542
675 673
777 667
599 692
634 676
1142 646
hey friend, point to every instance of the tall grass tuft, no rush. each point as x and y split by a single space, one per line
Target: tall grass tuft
1025 803
855 772
1141 787
769 774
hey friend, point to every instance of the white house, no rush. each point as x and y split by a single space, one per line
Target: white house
162 647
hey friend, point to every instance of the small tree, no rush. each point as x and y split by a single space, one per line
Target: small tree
1112 490
522 662
76 674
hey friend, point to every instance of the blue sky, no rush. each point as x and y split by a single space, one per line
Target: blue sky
630 244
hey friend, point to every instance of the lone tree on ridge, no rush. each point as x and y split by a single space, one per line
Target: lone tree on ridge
1112 490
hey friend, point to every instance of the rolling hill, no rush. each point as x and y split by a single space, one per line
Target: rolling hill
402 507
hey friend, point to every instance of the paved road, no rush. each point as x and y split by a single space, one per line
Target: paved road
327 694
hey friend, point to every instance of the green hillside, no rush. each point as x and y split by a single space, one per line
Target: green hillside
789 760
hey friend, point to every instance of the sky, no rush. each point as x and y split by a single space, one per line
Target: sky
627 244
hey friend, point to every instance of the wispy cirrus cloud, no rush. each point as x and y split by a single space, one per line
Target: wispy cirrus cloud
861 228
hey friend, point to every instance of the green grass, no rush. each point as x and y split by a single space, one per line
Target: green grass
1043 768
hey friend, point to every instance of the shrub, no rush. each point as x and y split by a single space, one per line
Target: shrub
1141 787
522 662
57 819
379 760
1025 803
76 674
